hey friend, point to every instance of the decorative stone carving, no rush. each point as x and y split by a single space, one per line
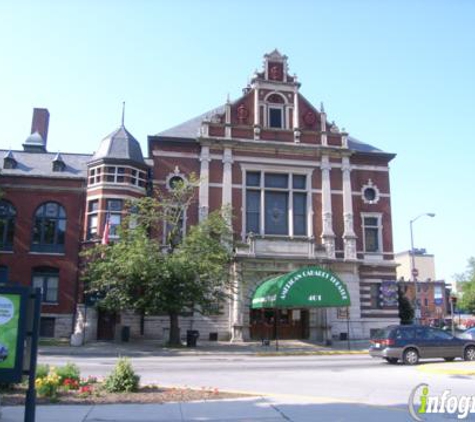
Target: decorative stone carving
329 243
346 167
205 155
242 114
228 156
275 72
310 118
350 248
327 224
348 219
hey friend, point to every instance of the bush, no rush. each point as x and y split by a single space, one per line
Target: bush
123 378
69 371
42 371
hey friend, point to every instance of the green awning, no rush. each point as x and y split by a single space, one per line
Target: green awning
310 287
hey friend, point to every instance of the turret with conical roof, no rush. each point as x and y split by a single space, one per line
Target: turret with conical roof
119 147
117 172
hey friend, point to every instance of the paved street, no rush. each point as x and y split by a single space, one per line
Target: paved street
295 388
341 378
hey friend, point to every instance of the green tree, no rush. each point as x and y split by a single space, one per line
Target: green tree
406 310
466 286
140 273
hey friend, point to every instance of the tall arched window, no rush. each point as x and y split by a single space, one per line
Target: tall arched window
7 225
49 229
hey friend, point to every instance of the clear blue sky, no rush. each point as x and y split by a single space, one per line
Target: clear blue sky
397 74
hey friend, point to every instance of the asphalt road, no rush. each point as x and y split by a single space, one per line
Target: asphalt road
338 378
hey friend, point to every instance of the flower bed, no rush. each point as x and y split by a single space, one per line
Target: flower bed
65 386
97 395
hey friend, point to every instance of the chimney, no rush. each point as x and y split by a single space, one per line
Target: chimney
36 142
40 122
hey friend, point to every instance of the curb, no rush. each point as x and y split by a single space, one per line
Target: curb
313 353
447 369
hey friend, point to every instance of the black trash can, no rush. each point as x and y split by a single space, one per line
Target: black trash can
192 337
125 334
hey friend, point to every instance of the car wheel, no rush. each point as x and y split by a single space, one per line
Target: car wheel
392 361
469 353
411 356
449 359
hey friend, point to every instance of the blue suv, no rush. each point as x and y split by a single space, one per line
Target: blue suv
409 343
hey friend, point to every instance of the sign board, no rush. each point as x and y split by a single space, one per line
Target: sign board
12 331
389 294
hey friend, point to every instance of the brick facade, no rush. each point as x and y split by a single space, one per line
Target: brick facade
319 197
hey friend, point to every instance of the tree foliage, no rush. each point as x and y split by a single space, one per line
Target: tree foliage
466 285
141 273
406 310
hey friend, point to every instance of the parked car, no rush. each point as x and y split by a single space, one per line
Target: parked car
410 343
3 352
468 334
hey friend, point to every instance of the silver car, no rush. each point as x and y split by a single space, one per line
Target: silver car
409 343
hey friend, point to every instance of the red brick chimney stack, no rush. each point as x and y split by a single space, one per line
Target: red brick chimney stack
40 122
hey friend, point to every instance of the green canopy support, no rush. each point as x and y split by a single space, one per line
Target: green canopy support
309 287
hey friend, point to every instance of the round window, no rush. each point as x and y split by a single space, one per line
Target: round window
370 194
175 181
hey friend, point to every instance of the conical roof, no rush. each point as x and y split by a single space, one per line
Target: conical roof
121 146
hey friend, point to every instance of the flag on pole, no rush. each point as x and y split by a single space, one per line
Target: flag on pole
105 233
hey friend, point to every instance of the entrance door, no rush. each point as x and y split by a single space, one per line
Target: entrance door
106 325
291 324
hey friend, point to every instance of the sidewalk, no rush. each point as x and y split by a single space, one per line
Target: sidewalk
137 348
237 410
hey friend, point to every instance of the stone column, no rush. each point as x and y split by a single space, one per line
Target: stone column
227 198
204 183
236 306
328 236
349 237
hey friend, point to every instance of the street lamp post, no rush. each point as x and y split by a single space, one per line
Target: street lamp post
414 271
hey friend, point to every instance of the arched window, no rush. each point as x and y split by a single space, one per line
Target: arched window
7 225
276 111
49 229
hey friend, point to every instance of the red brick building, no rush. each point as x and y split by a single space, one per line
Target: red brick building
302 191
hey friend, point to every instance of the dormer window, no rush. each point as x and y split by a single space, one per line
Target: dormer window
9 161
58 163
58 166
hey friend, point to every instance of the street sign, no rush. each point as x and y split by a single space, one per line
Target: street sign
13 301
20 308
415 272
